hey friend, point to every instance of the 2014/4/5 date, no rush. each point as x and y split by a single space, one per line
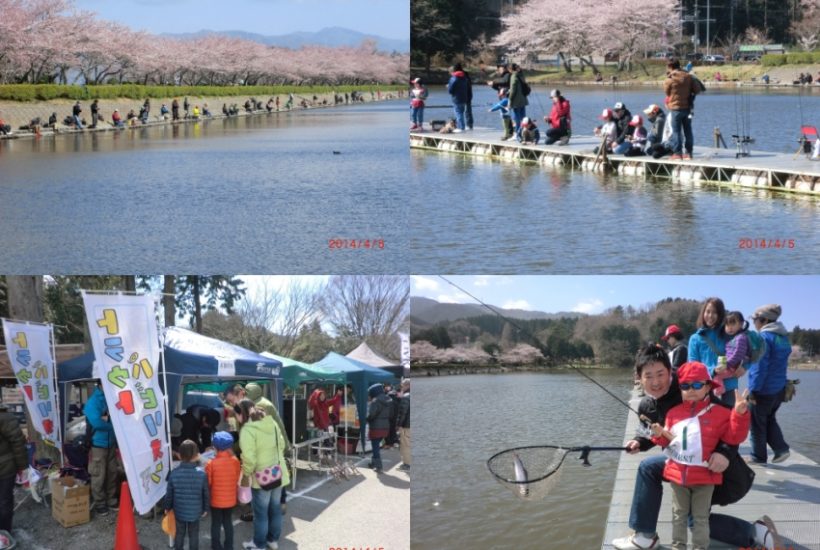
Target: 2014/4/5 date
356 243
765 243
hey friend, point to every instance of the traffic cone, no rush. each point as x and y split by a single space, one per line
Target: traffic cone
126 536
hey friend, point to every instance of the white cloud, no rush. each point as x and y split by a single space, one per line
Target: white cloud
447 299
517 304
482 280
425 283
589 306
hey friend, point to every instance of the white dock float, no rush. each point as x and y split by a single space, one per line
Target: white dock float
761 170
788 492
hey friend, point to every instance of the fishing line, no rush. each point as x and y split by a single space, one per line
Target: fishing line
536 340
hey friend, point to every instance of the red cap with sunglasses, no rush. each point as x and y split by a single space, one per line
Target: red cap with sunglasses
695 371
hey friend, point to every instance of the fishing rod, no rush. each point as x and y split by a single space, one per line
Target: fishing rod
536 340
512 467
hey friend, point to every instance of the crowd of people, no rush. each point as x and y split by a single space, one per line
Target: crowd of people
246 447
691 406
669 133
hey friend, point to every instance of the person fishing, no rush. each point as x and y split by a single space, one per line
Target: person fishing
560 119
654 372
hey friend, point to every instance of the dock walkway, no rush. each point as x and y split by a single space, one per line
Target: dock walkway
760 169
788 492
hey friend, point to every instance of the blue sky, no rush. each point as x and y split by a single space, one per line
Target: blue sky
387 18
797 295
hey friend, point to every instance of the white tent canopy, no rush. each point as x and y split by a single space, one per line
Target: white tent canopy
366 355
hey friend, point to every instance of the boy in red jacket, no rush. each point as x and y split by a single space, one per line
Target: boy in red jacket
223 478
693 430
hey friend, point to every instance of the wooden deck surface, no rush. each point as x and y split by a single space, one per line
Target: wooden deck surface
788 492
582 145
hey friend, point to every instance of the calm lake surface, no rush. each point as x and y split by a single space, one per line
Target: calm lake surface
261 194
510 217
463 420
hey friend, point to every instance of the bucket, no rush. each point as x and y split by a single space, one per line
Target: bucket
6 541
347 445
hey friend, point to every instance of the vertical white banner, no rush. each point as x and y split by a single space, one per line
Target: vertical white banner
125 338
30 352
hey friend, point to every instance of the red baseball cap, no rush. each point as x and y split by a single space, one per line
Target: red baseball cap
670 330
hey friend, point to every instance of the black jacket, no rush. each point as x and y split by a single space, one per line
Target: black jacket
13 454
655 410
624 129
502 81
403 419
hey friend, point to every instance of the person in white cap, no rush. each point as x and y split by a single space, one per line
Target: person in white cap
560 119
767 384
637 140
529 132
655 138
622 117
609 129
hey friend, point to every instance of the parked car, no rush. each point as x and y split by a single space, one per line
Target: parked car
694 56
716 58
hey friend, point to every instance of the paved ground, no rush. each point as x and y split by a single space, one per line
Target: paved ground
368 510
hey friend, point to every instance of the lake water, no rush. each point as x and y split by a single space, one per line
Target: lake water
455 503
265 194
508 217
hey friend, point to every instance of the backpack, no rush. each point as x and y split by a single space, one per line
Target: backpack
525 87
757 346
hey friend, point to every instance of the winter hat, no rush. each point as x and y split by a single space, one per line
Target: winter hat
253 391
375 390
695 371
222 441
671 330
651 109
769 311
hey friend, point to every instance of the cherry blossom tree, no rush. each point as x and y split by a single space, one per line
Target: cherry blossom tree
807 30
581 28
45 41
521 354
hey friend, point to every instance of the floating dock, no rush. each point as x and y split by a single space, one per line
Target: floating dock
760 170
789 493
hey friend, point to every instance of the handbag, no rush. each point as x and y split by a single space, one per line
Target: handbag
269 478
169 523
737 480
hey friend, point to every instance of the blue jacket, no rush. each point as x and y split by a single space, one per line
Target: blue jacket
459 87
503 107
768 376
187 492
103 435
700 350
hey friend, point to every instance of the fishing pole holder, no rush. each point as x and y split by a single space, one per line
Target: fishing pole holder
742 145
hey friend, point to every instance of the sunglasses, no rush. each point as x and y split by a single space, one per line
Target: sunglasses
694 385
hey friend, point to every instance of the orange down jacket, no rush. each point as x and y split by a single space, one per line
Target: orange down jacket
223 479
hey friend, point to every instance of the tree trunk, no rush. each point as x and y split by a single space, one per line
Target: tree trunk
565 61
129 283
168 300
25 298
197 305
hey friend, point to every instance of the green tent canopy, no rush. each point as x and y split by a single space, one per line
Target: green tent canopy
296 372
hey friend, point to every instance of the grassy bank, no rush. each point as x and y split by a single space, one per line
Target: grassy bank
45 92
650 71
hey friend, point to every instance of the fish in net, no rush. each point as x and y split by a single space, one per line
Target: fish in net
531 472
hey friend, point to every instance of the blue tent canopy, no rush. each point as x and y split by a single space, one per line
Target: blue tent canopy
359 375
190 358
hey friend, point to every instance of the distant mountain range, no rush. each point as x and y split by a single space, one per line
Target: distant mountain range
331 36
430 312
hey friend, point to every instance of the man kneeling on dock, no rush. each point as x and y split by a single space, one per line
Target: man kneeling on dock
654 371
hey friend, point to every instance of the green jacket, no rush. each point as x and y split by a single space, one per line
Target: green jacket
254 393
262 445
517 97
13 454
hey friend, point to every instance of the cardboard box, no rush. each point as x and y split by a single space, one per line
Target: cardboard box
11 395
70 501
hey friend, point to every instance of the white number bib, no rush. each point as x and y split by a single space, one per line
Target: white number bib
687 446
